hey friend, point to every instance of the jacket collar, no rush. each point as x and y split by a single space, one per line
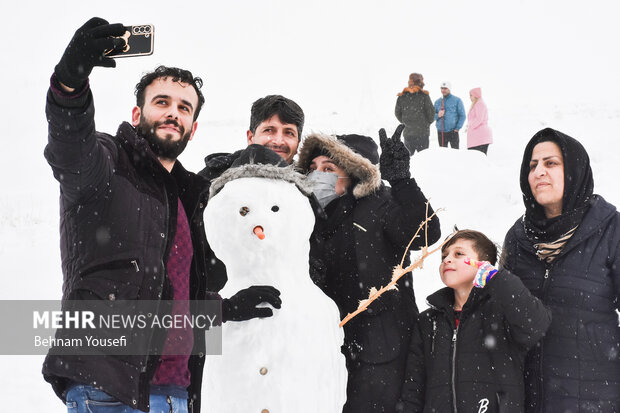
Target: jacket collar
443 300
217 163
599 213
192 188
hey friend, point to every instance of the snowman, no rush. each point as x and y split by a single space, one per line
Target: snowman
258 222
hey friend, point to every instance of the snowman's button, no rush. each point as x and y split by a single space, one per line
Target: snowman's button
263 371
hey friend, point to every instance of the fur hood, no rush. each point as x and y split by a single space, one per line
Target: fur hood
366 175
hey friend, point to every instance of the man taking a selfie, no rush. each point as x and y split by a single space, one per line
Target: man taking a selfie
131 228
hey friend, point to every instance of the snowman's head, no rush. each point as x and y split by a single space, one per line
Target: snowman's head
247 207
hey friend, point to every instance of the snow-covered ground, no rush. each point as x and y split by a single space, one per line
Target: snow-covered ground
539 63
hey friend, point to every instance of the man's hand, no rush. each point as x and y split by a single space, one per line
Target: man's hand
242 306
485 272
441 113
86 50
394 160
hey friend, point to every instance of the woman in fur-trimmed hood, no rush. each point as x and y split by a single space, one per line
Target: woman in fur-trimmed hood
364 235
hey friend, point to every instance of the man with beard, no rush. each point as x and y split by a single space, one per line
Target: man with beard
131 229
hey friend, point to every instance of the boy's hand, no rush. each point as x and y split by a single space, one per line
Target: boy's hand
485 272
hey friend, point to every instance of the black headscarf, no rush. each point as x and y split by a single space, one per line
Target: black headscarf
578 188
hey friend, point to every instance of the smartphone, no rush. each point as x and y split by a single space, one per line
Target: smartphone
138 41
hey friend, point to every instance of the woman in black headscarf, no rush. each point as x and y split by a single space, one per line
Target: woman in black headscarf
566 249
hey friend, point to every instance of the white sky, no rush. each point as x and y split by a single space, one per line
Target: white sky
335 58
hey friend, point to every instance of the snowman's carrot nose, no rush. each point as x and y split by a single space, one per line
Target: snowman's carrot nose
258 231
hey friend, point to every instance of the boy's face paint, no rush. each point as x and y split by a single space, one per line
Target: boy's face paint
454 272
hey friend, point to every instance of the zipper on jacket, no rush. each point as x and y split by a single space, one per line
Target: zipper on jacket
112 265
434 334
161 285
454 369
543 296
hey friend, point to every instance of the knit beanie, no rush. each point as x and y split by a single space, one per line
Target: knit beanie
362 145
259 154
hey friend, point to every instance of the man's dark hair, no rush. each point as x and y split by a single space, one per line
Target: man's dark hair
177 75
484 247
287 110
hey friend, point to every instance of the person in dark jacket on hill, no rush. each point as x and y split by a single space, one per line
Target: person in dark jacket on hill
468 348
132 230
566 250
415 110
365 235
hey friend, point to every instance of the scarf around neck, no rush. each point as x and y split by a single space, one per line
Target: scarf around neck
412 90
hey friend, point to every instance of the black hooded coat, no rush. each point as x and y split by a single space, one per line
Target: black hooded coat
364 236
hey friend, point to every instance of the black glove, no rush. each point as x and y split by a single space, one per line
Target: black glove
86 50
242 306
394 160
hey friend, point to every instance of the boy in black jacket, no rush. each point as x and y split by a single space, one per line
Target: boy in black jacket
467 349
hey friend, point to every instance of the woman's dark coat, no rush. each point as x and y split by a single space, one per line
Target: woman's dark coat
480 363
357 246
576 368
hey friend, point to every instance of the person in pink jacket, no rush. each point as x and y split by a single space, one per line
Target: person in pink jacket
479 134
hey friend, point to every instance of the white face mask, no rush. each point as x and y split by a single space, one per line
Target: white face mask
324 186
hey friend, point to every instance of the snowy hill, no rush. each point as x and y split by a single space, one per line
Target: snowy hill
343 62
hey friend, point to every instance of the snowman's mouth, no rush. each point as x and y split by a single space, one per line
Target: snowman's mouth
258 231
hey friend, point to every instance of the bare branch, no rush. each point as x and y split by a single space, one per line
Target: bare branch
398 271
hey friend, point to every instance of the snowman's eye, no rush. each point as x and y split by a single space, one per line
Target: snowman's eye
244 211
275 208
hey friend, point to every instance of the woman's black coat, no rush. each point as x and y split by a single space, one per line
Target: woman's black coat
576 368
363 238
358 246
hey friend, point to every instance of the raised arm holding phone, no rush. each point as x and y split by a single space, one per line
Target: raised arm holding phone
132 228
